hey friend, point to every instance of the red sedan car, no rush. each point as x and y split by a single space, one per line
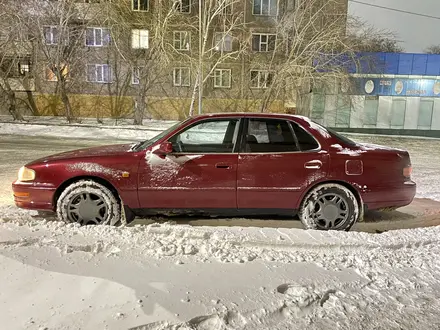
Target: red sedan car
223 164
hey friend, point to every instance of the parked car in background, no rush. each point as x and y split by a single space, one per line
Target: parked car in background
242 164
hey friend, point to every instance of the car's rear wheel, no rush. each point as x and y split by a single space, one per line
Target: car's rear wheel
330 207
87 202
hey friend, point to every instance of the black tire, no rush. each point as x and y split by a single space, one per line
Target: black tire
330 207
88 202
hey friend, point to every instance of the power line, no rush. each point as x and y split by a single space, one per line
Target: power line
395 9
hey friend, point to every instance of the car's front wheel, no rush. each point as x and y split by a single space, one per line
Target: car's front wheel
87 202
330 207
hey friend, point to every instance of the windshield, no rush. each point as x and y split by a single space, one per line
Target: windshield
147 143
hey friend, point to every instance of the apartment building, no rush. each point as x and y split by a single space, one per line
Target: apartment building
111 58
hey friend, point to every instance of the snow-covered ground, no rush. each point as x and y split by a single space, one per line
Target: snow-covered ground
166 276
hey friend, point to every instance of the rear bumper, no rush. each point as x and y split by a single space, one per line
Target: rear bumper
33 196
386 197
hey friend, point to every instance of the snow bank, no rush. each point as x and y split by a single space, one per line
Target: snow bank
375 279
133 133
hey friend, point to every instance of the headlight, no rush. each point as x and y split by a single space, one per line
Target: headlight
26 174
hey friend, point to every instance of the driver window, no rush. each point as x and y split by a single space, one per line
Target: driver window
214 136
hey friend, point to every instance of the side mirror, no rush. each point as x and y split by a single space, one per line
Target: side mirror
164 149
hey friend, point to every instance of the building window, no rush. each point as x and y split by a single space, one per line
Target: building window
99 73
136 75
183 6
140 5
226 6
371 107
222 78
398 110
97 37
261 78
181 77
139 39
263 42
181 40
426 109
265 7
223 42
50 35
343 111
51 72
24 68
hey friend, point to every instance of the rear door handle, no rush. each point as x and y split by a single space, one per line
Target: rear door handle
313 165
222 165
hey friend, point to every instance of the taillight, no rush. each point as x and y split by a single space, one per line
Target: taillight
407 171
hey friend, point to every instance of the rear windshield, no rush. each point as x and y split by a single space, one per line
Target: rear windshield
341 138
345 140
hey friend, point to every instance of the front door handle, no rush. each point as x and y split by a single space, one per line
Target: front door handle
222 165
313 165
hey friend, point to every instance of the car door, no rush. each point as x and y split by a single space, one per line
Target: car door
200 173
277 162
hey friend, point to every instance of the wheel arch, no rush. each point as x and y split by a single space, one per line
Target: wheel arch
340 182
70 181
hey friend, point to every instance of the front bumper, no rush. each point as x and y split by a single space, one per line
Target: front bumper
33 196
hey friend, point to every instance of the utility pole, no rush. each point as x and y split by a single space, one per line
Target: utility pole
200 71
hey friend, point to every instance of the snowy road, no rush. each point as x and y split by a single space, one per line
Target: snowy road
15 151
176 277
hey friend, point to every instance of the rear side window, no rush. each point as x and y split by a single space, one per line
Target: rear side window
269 135
306 141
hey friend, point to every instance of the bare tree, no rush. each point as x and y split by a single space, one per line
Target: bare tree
140 52
15 58
310 42
58 29
312 48
366 38
219 27
433 49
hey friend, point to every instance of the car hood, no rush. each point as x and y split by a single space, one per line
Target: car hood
110 150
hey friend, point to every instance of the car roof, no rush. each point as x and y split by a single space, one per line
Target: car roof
249 114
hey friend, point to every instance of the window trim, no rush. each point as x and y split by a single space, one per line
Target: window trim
289 123
139 36
266 43
21 66
267 72
237 144
140 10
55 77
228 4
265 15
221 42
100 65
174 76
221 72
179 33
180 10
51 27
94 36
138 76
